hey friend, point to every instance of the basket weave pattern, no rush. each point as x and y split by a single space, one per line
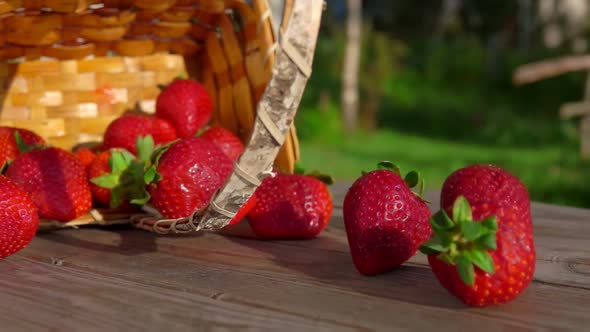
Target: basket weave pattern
71 66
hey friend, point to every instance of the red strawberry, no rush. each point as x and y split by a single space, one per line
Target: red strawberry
124 131
229 143
86 156
186 104
8 146
385 221
56 181
189 173
98 167
18 218
244 210
291 207
485 253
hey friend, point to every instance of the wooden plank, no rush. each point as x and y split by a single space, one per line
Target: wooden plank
50 297
243 269
129 278
574 109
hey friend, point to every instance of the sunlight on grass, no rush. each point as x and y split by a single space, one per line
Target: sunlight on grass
543 170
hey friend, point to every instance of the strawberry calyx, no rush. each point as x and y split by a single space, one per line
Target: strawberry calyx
24 147
462 241
126 179
413 178
325 178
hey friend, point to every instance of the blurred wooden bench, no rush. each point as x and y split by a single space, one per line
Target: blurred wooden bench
538 71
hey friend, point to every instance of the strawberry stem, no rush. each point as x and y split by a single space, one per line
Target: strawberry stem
462 241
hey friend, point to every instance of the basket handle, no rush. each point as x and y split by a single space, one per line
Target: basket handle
275 113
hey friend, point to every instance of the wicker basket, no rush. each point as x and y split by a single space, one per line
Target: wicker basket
71 66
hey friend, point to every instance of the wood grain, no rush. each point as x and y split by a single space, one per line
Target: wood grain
119 278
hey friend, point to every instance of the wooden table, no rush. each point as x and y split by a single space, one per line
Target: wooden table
124 279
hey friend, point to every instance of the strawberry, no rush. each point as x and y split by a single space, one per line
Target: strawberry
117 176
483 250
9 147
291 207
56 181
100 166
186 104
124 131
18 218
385 221
229 143
187 175
86 156
244 210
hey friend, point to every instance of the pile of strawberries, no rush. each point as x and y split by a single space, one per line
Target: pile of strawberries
172 160
479 245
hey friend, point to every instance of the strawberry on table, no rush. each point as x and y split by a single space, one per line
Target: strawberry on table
186 104
291 207
224 139
385 221
124 131
9 147
18 218
56 181
483 250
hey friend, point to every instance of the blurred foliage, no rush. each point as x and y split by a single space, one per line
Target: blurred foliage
443 103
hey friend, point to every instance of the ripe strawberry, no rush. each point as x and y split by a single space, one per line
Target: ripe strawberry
98 167
188 174
9 148
18 218
485 253
291 207
124 131
56 181
186 104
385 221
86 156
229 143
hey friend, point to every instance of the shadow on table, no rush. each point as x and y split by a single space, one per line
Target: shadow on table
119 239
326 260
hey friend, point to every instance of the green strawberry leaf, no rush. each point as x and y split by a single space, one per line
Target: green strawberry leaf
299 169
471 230
490 223
432 246
325 178
118 162
482 259
117 196
412 179
150 175
144 147
441 220
141 201
4 167
461 209
22 146
465 269
108 181
486 241
388 165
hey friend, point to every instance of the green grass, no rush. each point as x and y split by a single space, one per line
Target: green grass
553 174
